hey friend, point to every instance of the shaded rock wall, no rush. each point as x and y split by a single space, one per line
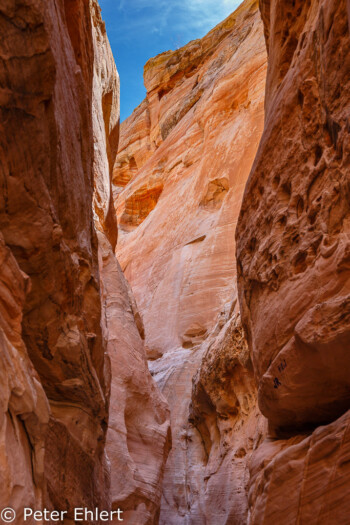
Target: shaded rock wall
293 242
105 116
225 414
59 121
24 414
138 438
303 479
183 160
46 222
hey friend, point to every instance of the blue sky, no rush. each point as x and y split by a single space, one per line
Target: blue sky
141 29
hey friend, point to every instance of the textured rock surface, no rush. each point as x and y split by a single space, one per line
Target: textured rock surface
46 222
296 243
224 412
303 479
59 121
188 191
105 115
206 475
138 438
293 264
24 412
184 157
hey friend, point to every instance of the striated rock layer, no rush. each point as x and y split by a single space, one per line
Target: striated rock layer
187 172
293 249
59 131
183 160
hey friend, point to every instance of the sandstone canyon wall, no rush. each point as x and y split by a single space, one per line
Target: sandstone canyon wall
59 120
138 437
184 157
260 428
293 250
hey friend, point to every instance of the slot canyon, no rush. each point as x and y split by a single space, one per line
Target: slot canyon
175 289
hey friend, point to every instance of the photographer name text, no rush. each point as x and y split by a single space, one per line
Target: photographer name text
8 515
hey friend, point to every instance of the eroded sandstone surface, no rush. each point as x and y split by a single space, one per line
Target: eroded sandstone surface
293 246
59 117
184 157
260 427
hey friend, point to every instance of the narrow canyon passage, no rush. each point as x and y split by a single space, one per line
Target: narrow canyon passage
175 290
183 160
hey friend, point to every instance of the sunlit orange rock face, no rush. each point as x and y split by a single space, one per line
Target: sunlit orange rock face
184 157
293 249
186 152
59 118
